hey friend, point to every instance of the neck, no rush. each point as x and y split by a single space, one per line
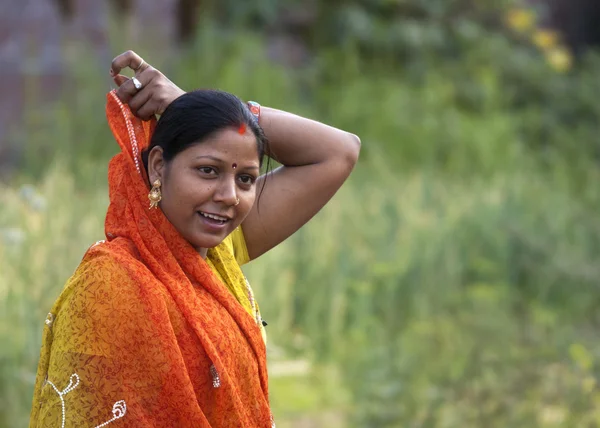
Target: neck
203 252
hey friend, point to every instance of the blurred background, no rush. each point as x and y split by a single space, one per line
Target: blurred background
452 282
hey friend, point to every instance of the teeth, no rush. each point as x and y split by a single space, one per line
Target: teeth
214 217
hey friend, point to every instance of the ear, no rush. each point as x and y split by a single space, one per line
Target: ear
156 164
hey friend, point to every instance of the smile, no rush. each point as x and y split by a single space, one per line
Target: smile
217 218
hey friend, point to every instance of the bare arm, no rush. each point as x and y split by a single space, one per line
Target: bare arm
316 160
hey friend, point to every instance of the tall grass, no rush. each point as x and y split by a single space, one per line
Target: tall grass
452 282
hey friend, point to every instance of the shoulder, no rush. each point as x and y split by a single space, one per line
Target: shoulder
109 271
113 261
107 297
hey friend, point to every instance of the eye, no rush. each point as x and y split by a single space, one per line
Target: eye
208 170
247 179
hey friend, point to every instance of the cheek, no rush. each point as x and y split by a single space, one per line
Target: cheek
247 203
194 195
183 191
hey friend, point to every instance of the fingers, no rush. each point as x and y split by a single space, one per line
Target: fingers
128 59
120 79
148 110
127 89
156 92
151 103
140 100
134 98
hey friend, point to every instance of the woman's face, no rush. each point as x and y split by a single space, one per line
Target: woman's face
201 185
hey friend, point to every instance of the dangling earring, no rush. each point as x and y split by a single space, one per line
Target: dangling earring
155 195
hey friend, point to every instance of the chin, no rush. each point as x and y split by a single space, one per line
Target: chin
209 241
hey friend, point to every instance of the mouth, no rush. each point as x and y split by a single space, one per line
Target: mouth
214 219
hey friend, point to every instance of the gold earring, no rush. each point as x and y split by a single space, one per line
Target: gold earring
237 202
155 195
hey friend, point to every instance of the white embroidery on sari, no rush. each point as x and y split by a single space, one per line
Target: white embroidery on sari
98 243
49 319
131 131
73 382
119 408
215 376
255 311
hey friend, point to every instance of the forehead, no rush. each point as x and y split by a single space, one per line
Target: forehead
227 145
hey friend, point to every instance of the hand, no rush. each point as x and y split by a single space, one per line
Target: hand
157 91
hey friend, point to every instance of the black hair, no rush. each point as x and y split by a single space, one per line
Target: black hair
196 115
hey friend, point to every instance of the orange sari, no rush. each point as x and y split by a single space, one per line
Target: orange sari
144 334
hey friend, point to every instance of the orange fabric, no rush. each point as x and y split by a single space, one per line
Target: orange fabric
144 328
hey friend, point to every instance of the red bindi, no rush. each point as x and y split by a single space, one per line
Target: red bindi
234 166
242 129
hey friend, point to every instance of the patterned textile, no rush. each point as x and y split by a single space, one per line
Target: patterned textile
230 273
144 333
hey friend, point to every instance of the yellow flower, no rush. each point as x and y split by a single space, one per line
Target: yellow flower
520 20
545 39
559 59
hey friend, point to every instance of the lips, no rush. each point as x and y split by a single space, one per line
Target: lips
214 220
214 216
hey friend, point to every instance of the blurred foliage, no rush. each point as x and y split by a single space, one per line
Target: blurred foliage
453 280
461 61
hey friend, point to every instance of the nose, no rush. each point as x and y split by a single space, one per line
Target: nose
226 191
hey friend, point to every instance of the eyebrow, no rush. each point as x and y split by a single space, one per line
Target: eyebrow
209 157
222 161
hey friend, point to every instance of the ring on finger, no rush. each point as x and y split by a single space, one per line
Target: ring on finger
139 66
138 85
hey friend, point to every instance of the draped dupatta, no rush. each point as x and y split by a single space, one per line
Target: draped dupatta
145 332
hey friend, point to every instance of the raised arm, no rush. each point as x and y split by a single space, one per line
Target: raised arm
316 160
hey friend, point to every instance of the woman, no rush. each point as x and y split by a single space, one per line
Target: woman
158 326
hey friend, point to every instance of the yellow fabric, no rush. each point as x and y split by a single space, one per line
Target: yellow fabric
238 246
231 274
